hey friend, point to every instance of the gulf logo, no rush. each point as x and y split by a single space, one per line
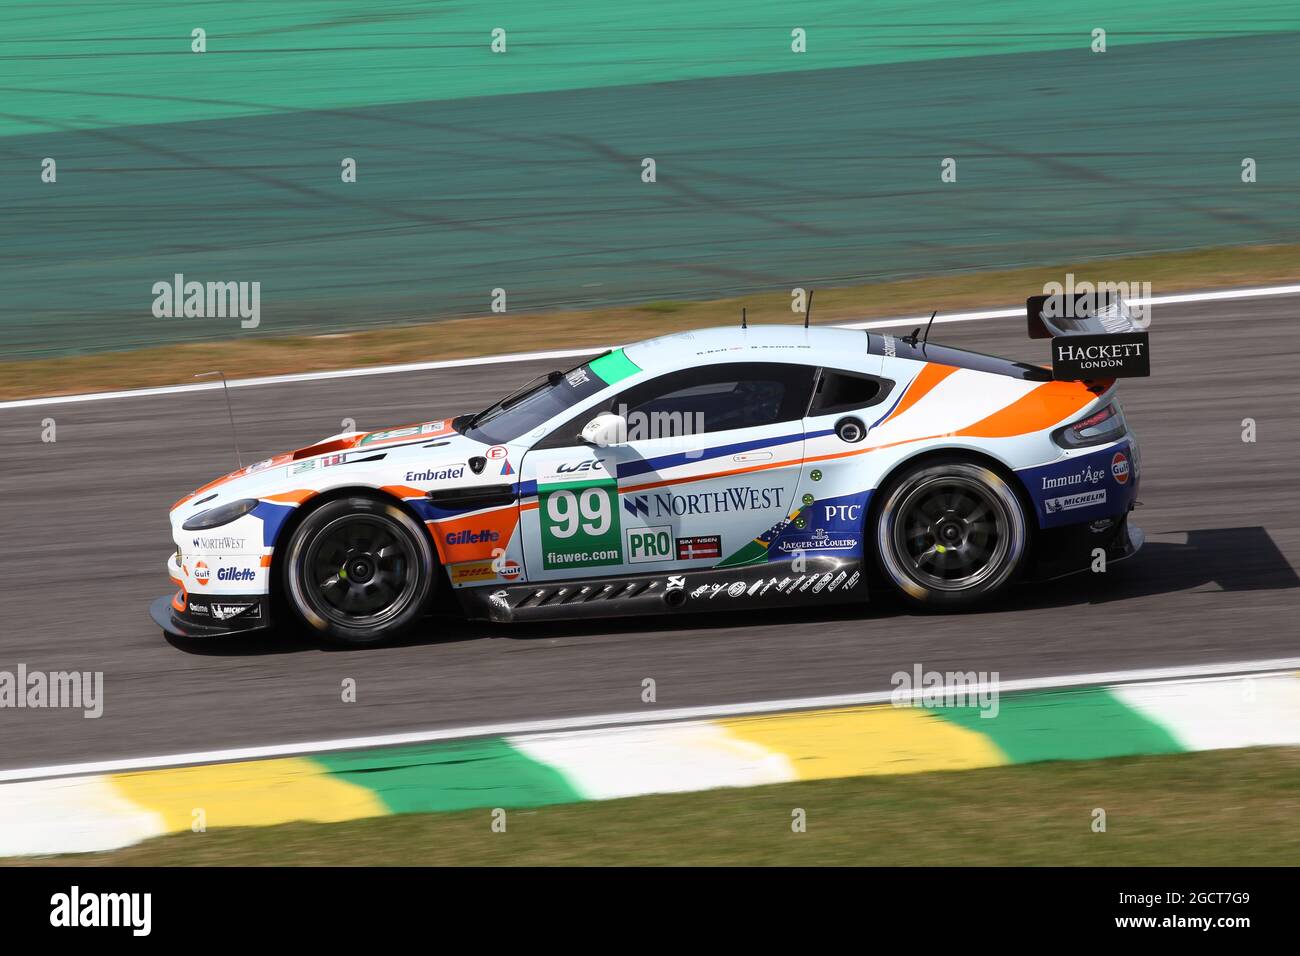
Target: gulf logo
1119 467
509 569
201 573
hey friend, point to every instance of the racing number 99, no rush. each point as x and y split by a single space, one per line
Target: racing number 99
579 526
568 512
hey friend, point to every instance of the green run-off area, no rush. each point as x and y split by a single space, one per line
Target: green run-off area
523 171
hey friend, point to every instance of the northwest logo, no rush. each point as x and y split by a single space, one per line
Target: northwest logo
219 544
718 502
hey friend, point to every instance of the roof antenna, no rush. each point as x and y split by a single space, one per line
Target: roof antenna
229 411
744 324
807 309
912 339
926 338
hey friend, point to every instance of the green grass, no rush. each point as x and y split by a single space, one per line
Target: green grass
1221 808
487 335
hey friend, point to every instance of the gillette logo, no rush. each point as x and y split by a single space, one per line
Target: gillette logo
486 536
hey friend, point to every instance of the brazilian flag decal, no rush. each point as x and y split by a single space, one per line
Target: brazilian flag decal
756 551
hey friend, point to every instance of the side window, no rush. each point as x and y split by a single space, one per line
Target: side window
715 398
839 391
709 398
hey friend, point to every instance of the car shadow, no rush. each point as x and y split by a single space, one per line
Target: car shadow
1217 559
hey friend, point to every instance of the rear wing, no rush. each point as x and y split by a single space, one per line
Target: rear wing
1093 336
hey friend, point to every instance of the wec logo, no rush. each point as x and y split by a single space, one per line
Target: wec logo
581 466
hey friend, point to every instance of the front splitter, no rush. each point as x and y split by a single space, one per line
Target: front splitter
164 616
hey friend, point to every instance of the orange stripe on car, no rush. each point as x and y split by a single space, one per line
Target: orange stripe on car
1045 406
924 383
291 497
489 530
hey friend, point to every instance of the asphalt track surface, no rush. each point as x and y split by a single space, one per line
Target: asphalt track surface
85 539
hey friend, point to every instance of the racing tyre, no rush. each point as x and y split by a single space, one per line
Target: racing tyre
950 534
359 571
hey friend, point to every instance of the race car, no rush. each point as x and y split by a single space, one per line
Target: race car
711 470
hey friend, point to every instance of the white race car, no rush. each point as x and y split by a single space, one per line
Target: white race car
709 470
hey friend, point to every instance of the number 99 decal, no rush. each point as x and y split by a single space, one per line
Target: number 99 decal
579 525
588 511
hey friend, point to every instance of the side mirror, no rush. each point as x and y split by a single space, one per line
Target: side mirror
605 429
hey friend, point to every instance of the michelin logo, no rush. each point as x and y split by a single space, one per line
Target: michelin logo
1084 499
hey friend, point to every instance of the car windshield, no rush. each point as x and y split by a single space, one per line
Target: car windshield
533 405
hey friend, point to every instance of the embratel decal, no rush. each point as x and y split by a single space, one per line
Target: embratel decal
436 474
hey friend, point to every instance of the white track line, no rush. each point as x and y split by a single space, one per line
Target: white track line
1236 668
1011 313
303 377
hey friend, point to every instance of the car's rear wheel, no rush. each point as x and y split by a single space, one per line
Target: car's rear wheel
950 534
359 571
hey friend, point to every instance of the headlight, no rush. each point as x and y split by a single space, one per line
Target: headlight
1098 428
223 514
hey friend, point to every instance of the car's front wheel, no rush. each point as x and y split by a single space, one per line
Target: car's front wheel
950 534
359 571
